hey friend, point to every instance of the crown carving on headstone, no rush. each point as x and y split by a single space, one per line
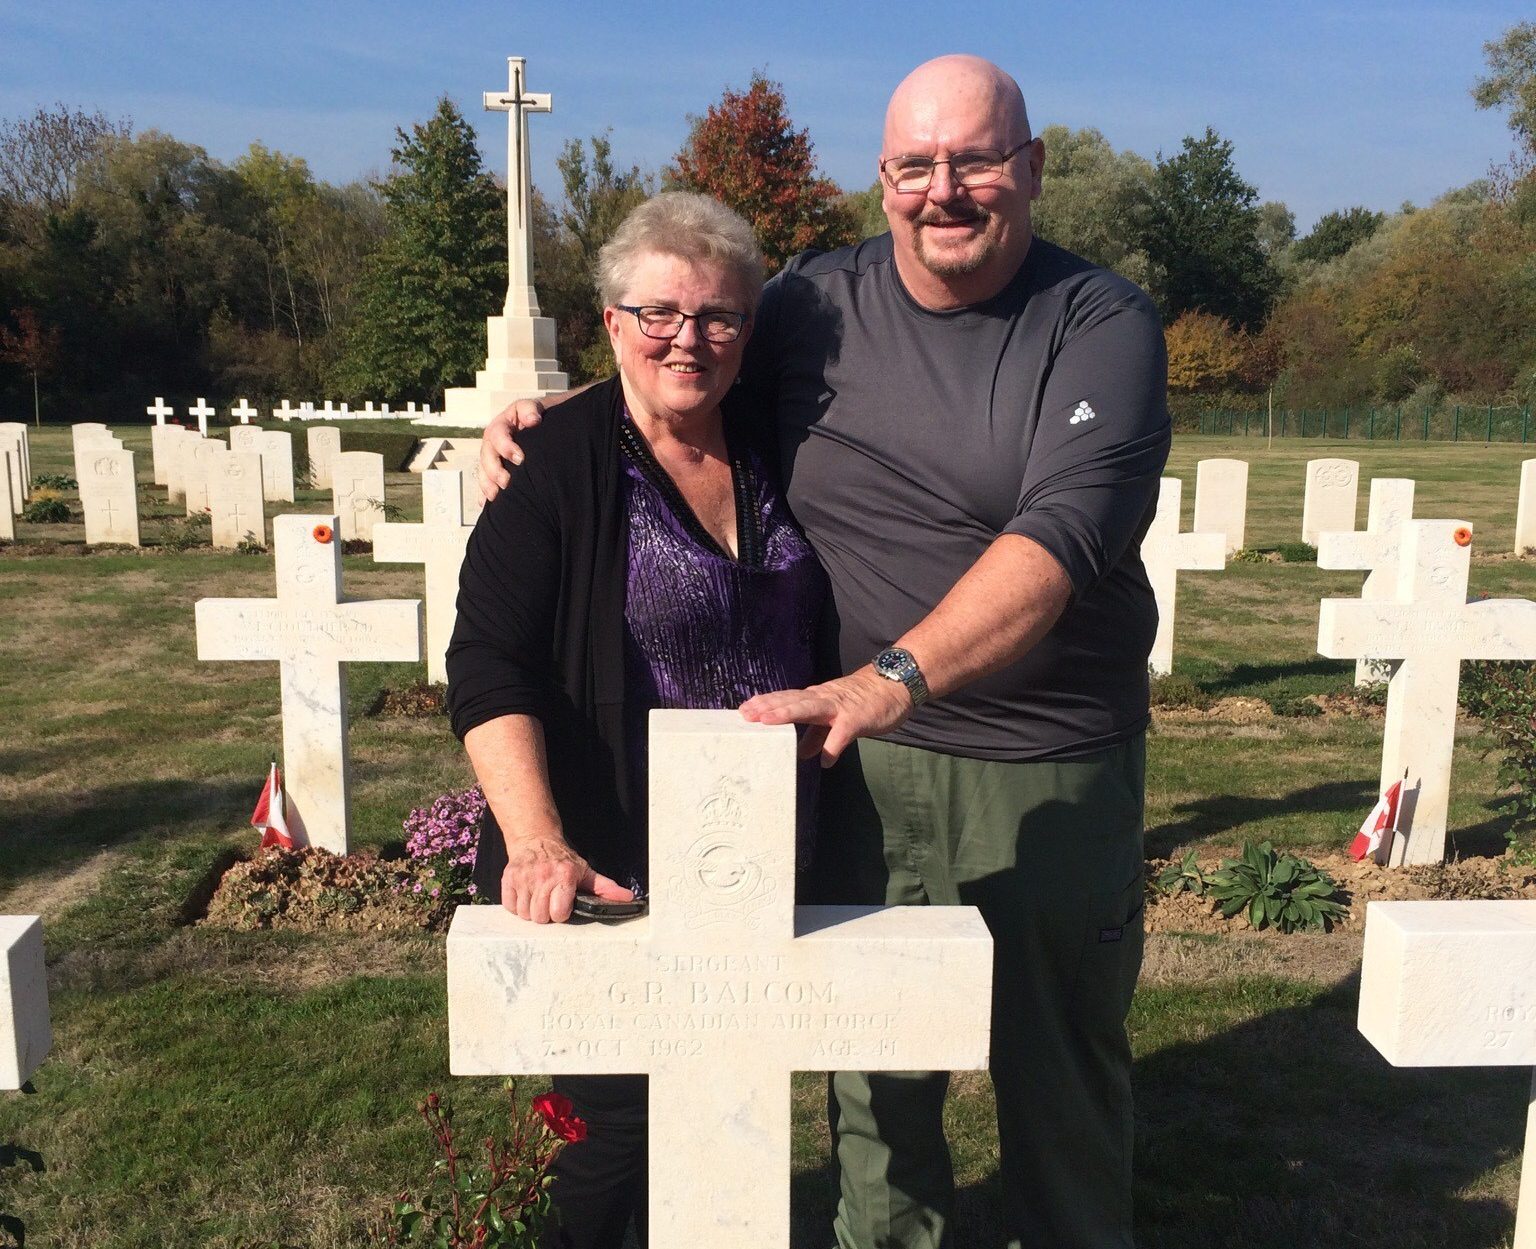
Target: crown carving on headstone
721 808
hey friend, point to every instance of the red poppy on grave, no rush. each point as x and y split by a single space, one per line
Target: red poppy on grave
1462 536
323 534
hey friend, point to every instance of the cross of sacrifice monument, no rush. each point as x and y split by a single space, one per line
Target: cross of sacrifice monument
1375 550
1453 984
313 632
202 411
438 543
724 988
521 354
1430 627
1165 552
25 1034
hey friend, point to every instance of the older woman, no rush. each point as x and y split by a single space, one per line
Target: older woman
641 558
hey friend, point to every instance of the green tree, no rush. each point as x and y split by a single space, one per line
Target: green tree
1277 228
598 196
746 153
1336 232
1203 236
1095 201
1511 80
422 300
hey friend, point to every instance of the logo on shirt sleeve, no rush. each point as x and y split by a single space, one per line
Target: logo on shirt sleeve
1083 412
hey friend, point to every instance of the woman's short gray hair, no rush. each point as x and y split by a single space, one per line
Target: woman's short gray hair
689 226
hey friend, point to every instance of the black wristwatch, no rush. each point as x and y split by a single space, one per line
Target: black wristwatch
895 664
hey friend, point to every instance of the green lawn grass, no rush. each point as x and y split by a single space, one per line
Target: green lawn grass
238 1090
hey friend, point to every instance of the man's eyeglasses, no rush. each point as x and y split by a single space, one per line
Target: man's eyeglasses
915 173
717 327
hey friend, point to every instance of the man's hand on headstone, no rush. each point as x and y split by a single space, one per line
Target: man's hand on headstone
497 444
835 713
543 876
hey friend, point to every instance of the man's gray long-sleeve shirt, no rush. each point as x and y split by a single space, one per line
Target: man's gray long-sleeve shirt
911 439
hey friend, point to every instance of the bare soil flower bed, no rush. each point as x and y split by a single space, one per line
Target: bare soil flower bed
1359 884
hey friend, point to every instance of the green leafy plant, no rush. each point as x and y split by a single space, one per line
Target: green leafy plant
250 545
1249 555
1297 552
1278 890
1177 690
54 481
1503 697
46 512
183 533
1182 876
500 1203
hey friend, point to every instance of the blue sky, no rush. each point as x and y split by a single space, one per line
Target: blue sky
1329 105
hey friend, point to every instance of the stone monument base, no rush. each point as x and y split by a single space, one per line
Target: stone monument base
520 364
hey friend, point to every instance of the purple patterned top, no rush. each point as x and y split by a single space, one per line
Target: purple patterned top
703 630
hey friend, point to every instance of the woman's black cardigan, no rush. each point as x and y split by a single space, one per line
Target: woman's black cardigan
540 628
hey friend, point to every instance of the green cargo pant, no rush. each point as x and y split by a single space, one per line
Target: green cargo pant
1051 854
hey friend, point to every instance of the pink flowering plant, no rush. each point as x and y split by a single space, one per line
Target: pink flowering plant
440 849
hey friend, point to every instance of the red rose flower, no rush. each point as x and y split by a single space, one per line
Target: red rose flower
560 1117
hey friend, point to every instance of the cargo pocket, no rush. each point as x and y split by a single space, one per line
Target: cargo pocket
1111 954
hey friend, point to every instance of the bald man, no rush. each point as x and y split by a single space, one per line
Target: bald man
972 425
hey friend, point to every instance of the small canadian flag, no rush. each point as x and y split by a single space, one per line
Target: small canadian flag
1379 825
270 814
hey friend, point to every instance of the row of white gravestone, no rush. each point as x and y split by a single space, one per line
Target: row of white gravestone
243 413
25 1034
329 411
16 450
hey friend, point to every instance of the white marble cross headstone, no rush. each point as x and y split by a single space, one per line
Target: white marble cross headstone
109 496
160 410
285 411
357 492
197 466
276 448
324 444
1221 500
518 102
1328 505
202 411
1430 627
724 988
1165 552
234 496
25 1034
438 543
244 411
313 632
1374 549
1453 984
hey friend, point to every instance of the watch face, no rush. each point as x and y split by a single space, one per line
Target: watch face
892 662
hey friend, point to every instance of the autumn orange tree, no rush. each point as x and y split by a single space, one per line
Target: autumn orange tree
746 153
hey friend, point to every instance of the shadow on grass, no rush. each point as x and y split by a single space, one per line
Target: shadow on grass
56 833
1310 676
1287 1129
1222 813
